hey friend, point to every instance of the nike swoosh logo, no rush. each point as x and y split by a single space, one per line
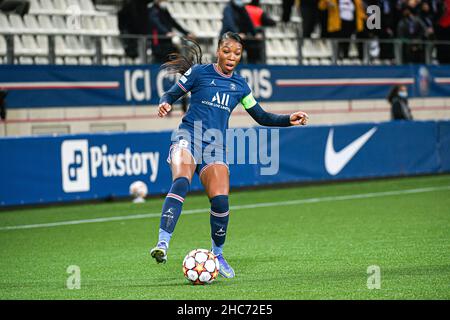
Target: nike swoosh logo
336 161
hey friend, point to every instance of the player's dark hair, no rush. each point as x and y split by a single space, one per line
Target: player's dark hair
230 35
182 62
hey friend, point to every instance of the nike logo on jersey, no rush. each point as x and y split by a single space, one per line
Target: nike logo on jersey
336 161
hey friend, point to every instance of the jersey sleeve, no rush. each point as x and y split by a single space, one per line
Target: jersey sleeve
259 115
188 79
182 86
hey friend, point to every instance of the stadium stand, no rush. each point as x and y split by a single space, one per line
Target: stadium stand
79 32
77 25
86 32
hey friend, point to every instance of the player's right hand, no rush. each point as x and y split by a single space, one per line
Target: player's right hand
164 109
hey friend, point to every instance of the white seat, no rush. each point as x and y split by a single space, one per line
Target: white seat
25 60
47 6
61 48
3 47
100 24
42 42
19 48
212 8
70 60
189 8
112 61
16 23
31 22
87 6
60 6
41 60
59 24
201 10
45 23
85 60
87 25
314 61
77 47
4 23
35 7
30 44
112 22
177 7
112 47
205 26
309 50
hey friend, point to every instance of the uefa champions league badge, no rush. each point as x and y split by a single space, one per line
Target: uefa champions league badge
423 78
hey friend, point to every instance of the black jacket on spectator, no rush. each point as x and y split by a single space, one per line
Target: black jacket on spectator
236 19
409 29
133 20
400 109
161 23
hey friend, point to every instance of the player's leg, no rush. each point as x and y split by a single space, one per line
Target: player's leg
215 178
183 168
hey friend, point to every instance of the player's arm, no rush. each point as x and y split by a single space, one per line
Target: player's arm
179 89
271 119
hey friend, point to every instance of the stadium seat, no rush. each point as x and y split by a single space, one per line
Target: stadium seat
61 6
16 23
45 23
31 22
4 23
2 49
47 7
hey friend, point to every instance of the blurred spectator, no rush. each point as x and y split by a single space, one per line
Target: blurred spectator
260 19
20 7
310 16
345 17
3 94
428 19
410 29
388 27
161 27
286 8
443 32
133 20
398 98
236 19
164 41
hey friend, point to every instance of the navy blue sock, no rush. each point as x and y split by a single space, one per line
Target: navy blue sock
171 209
219 222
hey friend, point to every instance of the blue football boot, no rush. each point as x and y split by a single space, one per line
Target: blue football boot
225 270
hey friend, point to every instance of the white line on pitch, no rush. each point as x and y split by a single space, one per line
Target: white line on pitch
241 207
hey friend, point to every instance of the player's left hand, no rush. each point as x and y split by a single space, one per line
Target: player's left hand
299 118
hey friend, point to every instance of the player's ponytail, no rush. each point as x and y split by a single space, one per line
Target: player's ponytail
181 62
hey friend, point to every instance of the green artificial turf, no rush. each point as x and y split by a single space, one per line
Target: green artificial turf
315 249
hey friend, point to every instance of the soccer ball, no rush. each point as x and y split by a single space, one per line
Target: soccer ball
200 266
138 190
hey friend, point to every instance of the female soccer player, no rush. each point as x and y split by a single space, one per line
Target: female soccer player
215 91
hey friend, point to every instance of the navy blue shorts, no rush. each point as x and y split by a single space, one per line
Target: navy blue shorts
203 155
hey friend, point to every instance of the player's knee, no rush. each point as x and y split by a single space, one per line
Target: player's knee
219 204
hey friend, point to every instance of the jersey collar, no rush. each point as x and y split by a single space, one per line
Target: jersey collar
220 72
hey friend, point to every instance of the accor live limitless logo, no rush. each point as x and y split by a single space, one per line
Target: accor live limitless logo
80 163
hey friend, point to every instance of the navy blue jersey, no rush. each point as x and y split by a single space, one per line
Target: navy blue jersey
214 95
